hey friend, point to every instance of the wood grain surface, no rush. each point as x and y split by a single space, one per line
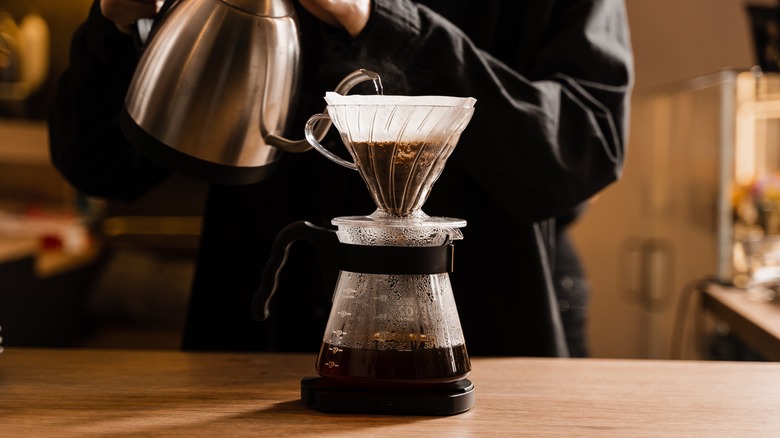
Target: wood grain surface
84 393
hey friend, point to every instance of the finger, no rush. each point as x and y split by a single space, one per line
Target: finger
314 7
352 15
126 12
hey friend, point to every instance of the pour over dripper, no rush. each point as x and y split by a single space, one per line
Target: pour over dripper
399 144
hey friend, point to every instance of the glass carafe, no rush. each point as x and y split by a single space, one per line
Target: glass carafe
396 325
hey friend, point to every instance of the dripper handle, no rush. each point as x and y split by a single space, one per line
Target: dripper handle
318 131
308 131
324 241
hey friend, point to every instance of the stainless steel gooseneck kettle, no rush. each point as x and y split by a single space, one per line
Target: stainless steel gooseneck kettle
212 91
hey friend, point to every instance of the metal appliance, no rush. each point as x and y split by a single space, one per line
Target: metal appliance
214 86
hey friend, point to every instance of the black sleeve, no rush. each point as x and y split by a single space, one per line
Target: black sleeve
550 125
86 142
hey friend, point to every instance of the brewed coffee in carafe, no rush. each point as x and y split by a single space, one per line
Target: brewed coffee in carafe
393 330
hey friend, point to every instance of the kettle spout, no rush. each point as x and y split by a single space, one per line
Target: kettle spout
346 84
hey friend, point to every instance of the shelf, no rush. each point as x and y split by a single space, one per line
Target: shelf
24 142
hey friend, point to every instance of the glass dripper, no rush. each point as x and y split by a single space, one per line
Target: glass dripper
399 144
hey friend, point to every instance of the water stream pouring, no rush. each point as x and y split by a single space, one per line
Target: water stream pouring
393 343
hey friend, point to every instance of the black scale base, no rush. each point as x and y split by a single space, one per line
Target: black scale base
330 397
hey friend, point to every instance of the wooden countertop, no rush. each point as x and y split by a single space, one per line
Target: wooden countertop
167 393
755 321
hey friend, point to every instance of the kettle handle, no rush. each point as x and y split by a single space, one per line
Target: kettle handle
323 239
319 131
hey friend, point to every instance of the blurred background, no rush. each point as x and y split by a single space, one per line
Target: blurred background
76 271
73 270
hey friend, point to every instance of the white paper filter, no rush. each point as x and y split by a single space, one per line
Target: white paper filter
333 98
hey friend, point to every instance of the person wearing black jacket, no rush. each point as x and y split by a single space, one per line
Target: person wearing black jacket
552 79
